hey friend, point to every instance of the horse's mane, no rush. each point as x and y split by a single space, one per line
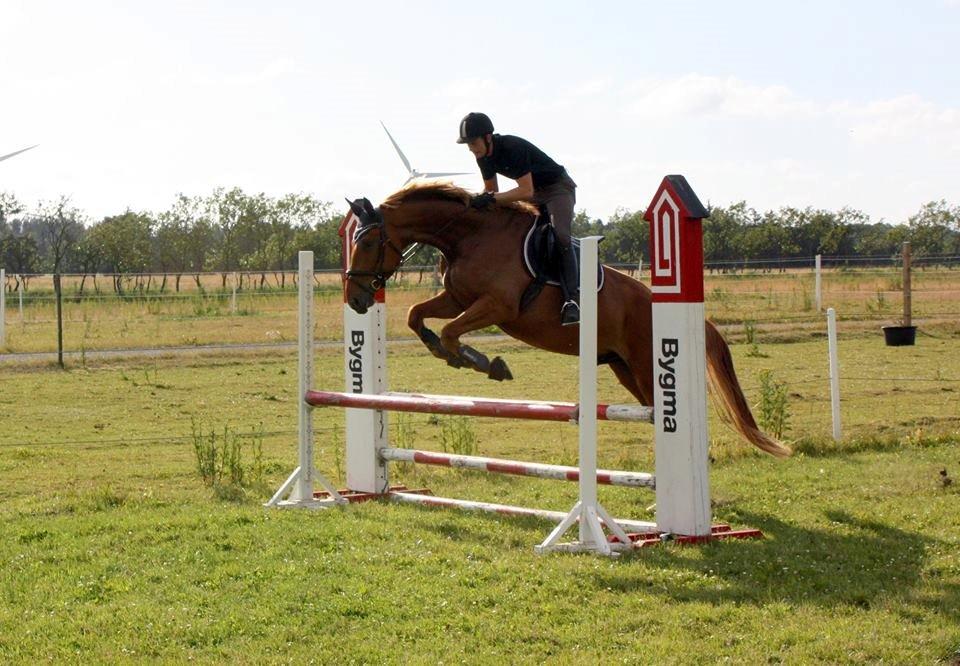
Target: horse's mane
444 191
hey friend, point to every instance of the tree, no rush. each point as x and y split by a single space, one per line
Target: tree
627 238
289 217
19 254
171 241
319 232
88 257
61 228
9 206
225 209
124 242
932 229
723 231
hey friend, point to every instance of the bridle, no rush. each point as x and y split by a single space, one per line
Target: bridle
371 218
367 224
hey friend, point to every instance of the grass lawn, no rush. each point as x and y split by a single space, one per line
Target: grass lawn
115 549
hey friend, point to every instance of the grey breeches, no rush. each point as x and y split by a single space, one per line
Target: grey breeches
560 199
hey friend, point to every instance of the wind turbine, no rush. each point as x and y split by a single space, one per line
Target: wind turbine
17 152
414 174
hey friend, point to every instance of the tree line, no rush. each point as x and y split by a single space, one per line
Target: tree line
231 230
740 234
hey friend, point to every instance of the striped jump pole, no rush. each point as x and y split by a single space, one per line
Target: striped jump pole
533 410
517 467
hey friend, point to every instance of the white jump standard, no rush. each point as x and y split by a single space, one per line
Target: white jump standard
681 484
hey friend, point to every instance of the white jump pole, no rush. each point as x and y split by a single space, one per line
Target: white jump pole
818 294
299 484
679 359
834 372
587 511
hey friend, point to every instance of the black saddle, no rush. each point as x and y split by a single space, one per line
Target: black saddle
541 257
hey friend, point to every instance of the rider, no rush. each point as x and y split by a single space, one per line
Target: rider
539 179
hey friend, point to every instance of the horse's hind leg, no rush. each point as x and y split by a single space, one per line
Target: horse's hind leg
626 377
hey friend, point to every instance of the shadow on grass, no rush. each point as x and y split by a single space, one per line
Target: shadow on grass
856 563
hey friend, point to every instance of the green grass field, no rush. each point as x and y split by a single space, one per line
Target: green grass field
116 550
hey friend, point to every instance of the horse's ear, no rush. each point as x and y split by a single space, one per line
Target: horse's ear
367 206
356 207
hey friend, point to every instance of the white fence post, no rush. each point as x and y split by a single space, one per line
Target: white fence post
3 307
20 294
817 288
834 372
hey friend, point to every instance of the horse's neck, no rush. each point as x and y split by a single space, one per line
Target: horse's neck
449 226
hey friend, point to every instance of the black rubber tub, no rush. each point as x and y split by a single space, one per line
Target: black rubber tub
900 336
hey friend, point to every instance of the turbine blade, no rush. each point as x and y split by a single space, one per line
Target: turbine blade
9 155
444 173
403 157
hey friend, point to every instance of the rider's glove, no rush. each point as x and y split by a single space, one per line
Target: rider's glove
480 201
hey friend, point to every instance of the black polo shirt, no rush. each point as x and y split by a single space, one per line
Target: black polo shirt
514 157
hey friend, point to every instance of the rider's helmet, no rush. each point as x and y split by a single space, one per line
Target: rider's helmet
474 125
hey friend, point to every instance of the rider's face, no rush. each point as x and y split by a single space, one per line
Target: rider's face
477 146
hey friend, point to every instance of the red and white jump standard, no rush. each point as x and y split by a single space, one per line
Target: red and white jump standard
682 488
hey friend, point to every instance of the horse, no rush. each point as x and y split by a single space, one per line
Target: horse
484 281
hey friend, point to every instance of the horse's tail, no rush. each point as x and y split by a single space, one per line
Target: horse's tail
727 391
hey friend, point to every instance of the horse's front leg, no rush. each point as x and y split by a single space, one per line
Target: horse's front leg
441 306
484 312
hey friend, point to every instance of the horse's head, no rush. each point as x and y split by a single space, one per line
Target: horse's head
374 257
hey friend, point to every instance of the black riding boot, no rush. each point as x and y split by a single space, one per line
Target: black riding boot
569 285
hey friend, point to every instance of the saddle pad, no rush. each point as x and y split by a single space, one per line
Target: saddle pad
538 246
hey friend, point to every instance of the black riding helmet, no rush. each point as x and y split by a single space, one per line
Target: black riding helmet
474 125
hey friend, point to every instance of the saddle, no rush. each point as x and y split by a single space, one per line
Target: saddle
542 259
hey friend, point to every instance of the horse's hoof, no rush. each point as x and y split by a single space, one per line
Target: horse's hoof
499 370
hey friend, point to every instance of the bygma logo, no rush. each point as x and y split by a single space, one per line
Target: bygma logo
667 381
355 362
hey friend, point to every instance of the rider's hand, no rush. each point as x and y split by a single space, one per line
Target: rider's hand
480 201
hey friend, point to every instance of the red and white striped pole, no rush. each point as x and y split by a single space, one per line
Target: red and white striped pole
679 359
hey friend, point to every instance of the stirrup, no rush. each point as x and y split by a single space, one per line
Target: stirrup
570 313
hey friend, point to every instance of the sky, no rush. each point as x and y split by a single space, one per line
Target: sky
824 104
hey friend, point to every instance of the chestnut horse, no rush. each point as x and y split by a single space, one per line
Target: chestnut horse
483 284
